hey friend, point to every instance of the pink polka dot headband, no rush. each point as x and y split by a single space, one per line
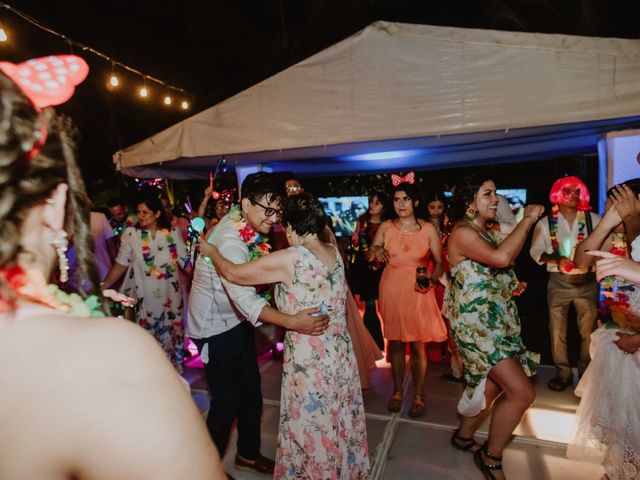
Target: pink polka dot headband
47 81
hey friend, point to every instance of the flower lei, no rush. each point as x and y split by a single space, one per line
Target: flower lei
30 285
553 231
614 291
256 243
152 269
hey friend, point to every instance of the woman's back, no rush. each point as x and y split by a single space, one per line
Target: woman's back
91 399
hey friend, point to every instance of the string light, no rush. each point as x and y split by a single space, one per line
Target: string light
114 81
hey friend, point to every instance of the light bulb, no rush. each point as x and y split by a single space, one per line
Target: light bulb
114 81
3 35
167 100
184 105
144 92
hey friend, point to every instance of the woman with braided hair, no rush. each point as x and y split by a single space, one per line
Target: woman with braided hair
115 408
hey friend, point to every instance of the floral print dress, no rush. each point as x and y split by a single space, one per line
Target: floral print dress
322 432
485 325
152 279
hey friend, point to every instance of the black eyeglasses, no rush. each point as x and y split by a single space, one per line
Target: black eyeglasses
268 211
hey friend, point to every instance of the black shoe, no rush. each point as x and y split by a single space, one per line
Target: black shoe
557 384
480 458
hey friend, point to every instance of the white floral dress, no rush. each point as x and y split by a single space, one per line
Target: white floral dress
160 300
322 433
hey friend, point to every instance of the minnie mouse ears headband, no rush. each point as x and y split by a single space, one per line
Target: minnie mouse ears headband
409 178
47 81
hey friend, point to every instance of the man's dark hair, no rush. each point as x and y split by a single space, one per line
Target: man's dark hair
113 201
260 184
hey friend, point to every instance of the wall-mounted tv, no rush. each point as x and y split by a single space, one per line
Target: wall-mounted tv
517 198
343 212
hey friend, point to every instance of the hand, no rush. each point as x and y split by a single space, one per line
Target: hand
533 211
206 248
119 298
307 323
208 192
610 264
522 286
565 265
380 254
625 201
628 343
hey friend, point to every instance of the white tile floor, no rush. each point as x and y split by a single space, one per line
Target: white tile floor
405 448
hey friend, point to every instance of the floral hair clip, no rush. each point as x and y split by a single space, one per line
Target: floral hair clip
47 81
409 178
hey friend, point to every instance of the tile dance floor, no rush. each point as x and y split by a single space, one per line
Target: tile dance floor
404 448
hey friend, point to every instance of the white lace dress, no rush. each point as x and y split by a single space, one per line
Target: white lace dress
608 418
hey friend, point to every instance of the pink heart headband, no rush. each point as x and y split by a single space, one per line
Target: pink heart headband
47 81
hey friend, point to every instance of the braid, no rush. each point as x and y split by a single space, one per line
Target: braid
26 182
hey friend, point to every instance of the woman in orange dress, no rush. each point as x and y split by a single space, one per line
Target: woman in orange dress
410 313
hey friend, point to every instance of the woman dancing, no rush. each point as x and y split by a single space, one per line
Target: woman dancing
485 323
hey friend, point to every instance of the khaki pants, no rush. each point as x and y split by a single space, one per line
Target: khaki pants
582 291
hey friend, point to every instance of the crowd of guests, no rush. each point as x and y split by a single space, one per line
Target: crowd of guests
425 272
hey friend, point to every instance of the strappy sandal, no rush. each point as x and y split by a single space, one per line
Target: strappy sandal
418 408
464 444
395 402
487 469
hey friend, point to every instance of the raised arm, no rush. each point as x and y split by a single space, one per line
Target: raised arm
466 242
627 204
272 268
598 239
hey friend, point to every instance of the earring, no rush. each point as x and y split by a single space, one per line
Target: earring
60 243
471 213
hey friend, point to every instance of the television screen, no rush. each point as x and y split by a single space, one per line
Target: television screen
517 198
343 212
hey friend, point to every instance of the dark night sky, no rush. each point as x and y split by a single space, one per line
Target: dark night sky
216 48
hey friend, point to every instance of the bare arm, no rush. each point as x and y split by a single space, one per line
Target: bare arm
377 248
436 251
275 267
203 204
114 274
599 239
609 264
465 242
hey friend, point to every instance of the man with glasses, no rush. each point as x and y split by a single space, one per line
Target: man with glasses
222 317
554 243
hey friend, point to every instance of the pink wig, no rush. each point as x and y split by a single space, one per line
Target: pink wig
556 196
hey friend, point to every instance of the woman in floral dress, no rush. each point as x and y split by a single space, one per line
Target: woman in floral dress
322 432
151 254
485 323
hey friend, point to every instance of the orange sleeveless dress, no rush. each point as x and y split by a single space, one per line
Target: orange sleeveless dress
407 315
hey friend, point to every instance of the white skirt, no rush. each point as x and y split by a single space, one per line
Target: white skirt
608 418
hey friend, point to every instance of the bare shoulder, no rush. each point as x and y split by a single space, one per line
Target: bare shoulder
102 385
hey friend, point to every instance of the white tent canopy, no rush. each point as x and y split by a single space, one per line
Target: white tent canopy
396 95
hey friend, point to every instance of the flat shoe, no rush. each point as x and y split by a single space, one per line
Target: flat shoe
418 407
395 402
558 385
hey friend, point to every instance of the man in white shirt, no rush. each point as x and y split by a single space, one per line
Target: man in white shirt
221 320
554 240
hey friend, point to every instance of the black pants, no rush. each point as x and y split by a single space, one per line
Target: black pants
234 385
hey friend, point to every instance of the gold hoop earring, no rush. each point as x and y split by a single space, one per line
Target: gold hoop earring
471 213
60 243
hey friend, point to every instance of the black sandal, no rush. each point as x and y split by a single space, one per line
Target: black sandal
487 469
464 444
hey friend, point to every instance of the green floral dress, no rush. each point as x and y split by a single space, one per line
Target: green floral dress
485 325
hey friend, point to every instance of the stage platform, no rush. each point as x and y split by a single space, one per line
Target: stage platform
402 448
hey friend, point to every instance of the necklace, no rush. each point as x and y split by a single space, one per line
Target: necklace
30 285
149 260
257 245
486 236
553 232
